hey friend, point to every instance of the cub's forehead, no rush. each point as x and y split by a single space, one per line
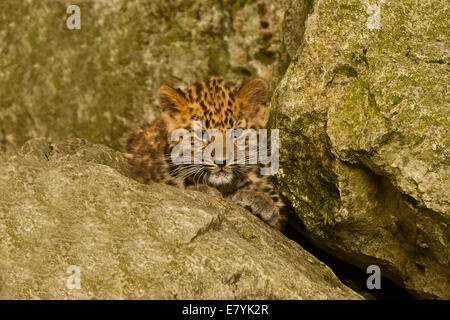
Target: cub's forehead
213 92
218 103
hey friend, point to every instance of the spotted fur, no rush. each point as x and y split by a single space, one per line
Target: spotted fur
218 104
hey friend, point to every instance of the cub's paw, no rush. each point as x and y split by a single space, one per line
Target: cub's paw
260 205
205 189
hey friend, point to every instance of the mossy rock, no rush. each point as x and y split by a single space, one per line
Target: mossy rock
364 128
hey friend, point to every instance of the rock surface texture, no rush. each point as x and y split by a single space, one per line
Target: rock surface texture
363 113
72 204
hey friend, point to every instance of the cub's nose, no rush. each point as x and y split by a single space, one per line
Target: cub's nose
221 165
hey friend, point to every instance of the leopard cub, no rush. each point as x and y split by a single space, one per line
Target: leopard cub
216 104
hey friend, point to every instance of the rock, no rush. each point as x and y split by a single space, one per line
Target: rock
71 204
364 127
100 82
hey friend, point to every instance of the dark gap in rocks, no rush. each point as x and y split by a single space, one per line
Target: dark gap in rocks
350 275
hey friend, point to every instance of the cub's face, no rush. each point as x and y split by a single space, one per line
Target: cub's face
200 118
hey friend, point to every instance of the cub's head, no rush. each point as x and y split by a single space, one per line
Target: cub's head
218 105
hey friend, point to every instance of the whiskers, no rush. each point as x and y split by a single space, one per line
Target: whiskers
203 172
195 172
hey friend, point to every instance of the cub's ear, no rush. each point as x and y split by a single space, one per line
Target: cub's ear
254 91
171 99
